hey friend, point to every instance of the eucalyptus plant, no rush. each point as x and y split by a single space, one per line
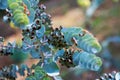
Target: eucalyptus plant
71 47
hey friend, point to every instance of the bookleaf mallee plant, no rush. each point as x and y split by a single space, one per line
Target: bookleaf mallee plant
73 46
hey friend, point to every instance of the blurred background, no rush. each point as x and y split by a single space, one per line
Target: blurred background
101 18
